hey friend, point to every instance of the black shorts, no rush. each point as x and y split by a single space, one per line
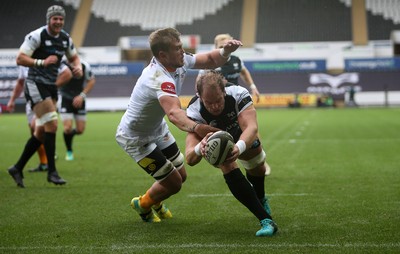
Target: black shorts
67 107
37 92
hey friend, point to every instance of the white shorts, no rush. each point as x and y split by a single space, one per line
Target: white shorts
29 113
139 147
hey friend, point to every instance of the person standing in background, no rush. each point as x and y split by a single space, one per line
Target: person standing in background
234 68
73 106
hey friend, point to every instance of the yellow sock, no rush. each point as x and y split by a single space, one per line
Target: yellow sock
42 154
146 201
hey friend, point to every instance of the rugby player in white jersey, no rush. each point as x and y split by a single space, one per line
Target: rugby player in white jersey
231 109
143 133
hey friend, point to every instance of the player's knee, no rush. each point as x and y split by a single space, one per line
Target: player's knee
177 161
49 121
254 162
80 131
157 171
183 174
49 117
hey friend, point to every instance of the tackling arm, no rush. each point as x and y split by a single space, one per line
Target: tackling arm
176 115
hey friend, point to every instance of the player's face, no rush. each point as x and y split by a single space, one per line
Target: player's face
214 101
175 55
56 24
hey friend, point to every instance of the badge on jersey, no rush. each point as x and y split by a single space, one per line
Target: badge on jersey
168 87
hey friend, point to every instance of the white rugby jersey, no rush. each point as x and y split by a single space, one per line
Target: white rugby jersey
144 115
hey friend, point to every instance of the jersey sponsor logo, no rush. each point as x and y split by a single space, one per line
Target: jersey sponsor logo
168 87
47 42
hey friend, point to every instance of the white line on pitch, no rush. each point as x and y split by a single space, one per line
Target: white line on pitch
115 247
228 195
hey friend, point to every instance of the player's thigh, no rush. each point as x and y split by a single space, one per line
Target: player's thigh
43 107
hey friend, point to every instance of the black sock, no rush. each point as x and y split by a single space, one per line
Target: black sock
50 147
68 139
258 184
30 148
242 191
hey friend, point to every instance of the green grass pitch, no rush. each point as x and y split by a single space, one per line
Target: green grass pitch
334 188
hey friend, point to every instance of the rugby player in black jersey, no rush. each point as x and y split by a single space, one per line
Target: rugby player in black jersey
42 51
230 108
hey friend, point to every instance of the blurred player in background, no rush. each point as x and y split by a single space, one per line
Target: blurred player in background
73 106
143 132
231 109
234 68
63 77
42 51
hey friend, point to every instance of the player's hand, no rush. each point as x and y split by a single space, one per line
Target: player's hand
232 45
52 59
255 94
77 71
203 143
11 106
233 156
77 102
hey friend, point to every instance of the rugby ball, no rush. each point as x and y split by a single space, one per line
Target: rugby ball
219 146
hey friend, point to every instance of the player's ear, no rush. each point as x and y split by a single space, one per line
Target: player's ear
162 54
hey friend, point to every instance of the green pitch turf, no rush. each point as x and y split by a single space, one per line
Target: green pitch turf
334 188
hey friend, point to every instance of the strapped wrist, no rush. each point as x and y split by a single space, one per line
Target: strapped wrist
241 146
83 95
197 149
224 54
38 63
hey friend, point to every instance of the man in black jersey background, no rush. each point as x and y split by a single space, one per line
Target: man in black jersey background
73 106
42 51
231 109
234 68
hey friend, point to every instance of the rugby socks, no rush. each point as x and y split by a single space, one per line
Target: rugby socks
244 193
42 155
30 148
50 147
258 184
146 201
68 139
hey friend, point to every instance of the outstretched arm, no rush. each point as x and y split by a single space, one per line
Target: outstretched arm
216 57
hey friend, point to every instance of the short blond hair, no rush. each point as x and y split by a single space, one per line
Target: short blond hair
221 37
162 40
210 79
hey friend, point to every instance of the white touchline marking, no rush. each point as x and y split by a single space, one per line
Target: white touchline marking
394 245
229 195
